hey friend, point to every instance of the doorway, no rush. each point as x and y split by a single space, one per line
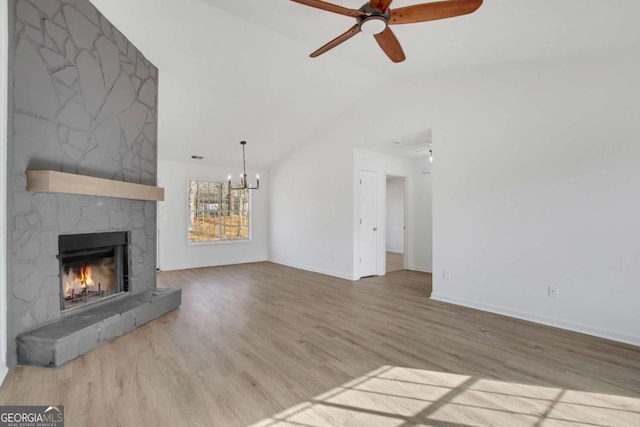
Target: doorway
396 223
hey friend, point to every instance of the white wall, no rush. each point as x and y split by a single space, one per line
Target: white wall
536 183
311 205
3 187
395 215
174 251
423 243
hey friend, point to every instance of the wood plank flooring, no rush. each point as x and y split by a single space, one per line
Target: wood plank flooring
263 344
395 262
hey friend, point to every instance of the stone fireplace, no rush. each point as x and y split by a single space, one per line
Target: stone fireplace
82 101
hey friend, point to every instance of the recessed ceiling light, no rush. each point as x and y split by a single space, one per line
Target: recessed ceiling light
197 157
397 142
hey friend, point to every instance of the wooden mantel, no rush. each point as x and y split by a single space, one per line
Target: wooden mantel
60 182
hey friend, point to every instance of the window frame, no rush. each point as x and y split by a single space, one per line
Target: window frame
190 242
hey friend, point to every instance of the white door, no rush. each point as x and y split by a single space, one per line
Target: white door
368 210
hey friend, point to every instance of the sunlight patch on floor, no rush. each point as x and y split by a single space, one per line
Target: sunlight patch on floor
396 396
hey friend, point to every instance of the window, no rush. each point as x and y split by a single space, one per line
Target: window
217 214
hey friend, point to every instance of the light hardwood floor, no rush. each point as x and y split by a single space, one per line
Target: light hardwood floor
263 344
394 262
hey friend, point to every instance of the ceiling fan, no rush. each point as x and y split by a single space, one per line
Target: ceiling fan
375 17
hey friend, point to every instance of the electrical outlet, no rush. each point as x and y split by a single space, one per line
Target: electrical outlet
553 292
446 274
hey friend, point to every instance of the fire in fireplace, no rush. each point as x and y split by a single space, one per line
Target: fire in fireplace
92 267
79 283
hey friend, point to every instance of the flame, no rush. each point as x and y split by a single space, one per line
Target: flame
77 281
85 276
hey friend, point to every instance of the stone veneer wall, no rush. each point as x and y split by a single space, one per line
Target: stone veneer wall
83 100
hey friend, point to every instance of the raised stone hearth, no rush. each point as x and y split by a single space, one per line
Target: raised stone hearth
80 332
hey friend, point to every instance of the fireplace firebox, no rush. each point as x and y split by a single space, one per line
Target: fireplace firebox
93 267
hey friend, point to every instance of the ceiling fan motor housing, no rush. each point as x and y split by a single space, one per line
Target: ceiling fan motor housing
375 21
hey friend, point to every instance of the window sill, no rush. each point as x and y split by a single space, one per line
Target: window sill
219 243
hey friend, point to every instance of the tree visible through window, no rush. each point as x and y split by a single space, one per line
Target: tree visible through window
217 214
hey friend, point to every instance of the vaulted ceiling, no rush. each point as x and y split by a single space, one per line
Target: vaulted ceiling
234 70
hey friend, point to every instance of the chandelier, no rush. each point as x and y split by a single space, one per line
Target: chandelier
244 182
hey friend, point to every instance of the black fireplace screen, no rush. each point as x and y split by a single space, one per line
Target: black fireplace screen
92 267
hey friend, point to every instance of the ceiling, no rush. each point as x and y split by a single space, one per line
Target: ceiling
234 70
499 31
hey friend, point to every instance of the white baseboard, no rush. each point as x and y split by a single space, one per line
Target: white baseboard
313 269
210 264
536 318
422 269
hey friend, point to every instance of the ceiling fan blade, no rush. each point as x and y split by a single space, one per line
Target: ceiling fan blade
335 42
330 7
390 45
433 11
381 5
